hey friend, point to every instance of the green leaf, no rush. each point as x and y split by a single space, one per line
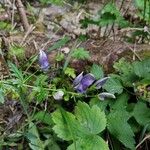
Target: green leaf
90 143
142 69
126 72
15 71
33 137
113 86
2 96
59 44
66 126
121 102
91 119
70 72
142 113
43 117
97 71
120 129
81 53
86 122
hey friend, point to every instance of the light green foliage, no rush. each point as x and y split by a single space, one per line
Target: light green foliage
5 26
86 123
113 86
18 51
81 53
142 114
97 71
120 129
70 72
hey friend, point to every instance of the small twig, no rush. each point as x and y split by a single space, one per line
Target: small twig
146 137
133 51
23 16
12 16
30 29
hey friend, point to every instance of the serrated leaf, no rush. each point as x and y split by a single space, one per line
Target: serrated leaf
142 113
97 71
81 53
67 127
113 86
121 102
142 69
92 119
120 129
89 143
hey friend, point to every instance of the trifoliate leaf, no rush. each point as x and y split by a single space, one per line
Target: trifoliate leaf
97 71
119 128
142 113
89 143
92 119
113 86
81 53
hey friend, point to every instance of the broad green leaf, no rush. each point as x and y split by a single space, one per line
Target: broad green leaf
142 114
59 44
121 102
80 53
142 69
120 129
66 126
97 71
126 72
113 86
91 119
33 136
89 143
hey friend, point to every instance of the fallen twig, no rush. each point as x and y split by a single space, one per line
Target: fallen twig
23 16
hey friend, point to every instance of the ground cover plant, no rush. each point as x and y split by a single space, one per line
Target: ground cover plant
60 97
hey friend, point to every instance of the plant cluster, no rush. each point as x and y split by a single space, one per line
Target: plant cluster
107 112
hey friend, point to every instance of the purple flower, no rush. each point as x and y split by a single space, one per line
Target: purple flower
104 95
81 83
43 60
99 83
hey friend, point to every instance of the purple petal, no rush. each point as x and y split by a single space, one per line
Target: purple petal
87 81
104 95
101 82
79 88
78 79
43 60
